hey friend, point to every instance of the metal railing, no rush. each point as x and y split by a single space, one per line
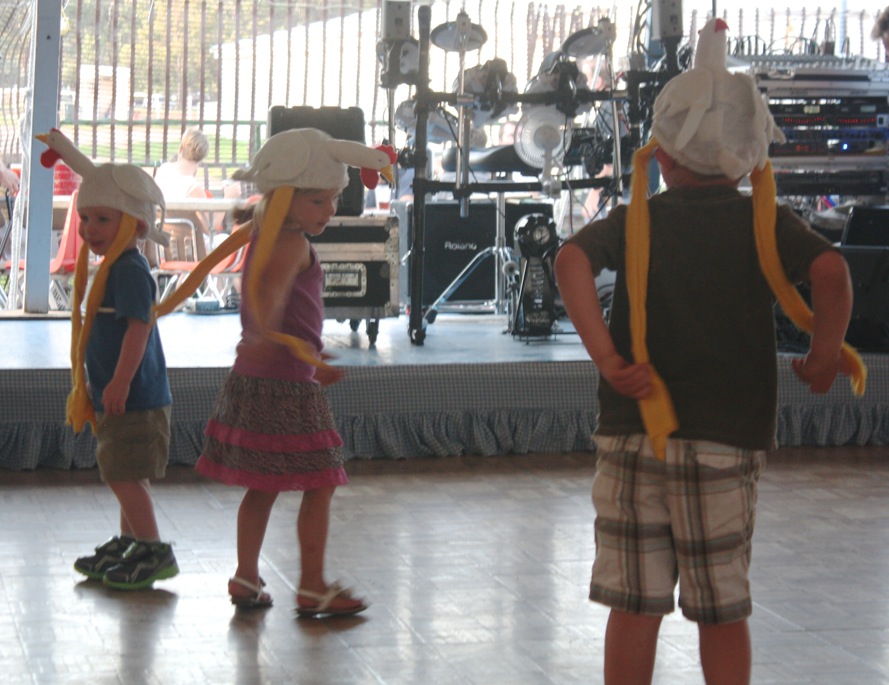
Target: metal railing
135 74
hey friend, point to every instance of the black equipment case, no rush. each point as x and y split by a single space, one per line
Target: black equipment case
343 123
360 260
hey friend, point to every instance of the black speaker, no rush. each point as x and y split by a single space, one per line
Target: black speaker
451 243
343 123
869 324
867 226
869 269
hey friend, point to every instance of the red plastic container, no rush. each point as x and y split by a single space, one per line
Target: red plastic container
65 181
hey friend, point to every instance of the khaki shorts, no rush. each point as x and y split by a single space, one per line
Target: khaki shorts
689 519
134 445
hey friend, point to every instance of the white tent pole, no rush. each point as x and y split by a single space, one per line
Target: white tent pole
45 55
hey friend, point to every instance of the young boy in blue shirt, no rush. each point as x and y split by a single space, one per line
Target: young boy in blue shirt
127 400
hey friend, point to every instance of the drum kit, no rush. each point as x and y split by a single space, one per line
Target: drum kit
482 95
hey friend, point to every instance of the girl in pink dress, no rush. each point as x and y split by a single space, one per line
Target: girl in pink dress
272 429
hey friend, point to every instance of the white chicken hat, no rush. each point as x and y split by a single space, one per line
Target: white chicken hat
307 158
713 121
124 187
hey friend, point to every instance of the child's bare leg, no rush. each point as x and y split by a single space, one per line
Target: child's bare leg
136 508
253 519
630 647
311 529
125 529
725 653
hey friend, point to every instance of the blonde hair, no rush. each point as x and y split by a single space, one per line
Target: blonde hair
194 145
255 212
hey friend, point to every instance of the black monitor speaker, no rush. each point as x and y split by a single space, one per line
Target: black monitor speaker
869 269
869 324
342 123
867 226
452 241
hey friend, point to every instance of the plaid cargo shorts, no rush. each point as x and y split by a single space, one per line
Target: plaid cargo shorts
689 519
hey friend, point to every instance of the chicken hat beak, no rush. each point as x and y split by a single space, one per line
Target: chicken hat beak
389 174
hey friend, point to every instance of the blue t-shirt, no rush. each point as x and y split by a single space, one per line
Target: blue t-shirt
130 293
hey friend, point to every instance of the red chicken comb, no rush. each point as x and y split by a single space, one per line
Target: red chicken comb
49 157
371 177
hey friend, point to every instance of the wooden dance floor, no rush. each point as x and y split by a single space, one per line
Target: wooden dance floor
476 570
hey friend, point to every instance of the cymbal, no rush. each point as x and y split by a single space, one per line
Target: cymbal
586 43
447 37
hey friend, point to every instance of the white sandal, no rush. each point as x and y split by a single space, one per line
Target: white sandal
258 600
322 608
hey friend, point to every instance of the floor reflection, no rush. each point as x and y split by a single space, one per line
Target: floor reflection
476 570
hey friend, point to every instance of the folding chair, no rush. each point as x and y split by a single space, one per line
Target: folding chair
4 240
180 257
223 276
61 267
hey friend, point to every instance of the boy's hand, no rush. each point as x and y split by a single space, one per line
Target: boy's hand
630 380
9 180
114 398
818 371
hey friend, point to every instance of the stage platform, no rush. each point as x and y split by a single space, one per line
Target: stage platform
470 389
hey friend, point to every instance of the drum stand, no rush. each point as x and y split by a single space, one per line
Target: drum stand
461 36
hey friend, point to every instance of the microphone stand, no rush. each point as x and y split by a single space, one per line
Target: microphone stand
416 324
463 125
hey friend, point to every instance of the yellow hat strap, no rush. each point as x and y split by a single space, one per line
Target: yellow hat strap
238 239
657 411
79 409
272 221
764 194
